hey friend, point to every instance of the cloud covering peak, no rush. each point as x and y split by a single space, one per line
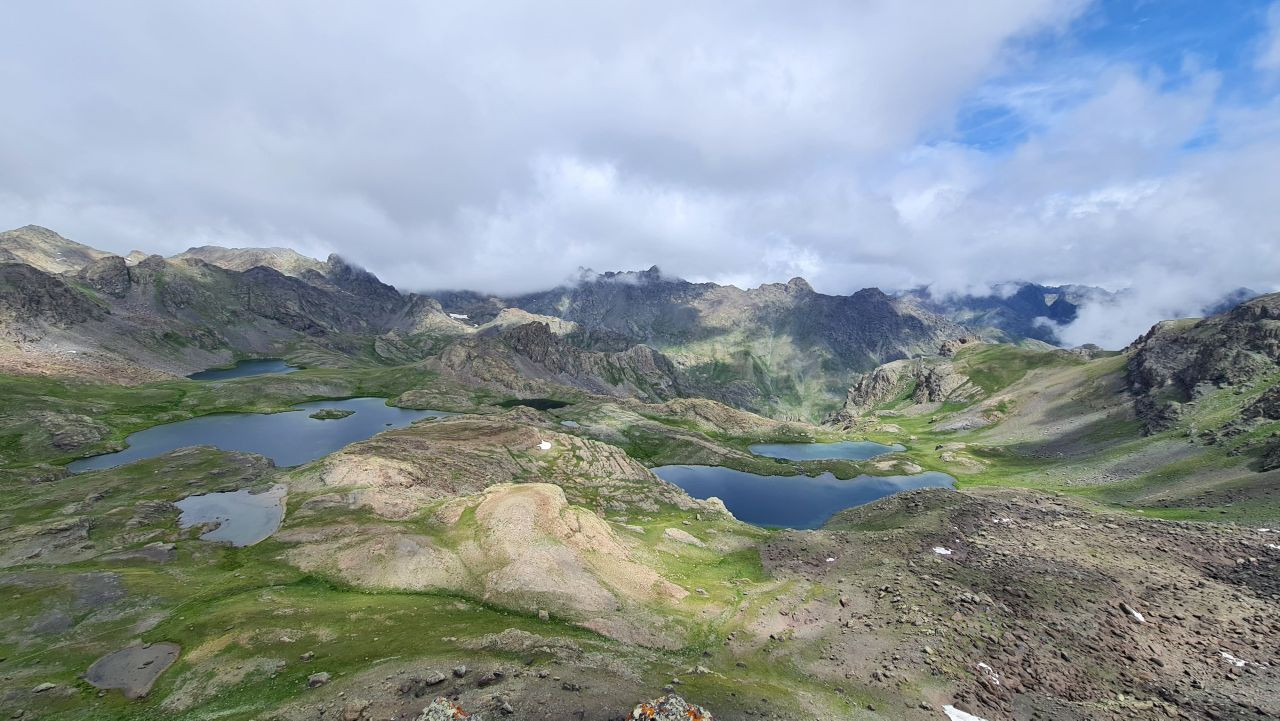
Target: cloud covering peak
501 146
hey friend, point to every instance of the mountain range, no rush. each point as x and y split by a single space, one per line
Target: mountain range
1106 550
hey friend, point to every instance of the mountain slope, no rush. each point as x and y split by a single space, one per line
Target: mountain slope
1178 362
181 315
46 250
782 349
285 260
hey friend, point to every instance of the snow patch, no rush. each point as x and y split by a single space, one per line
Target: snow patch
544 446
831 560
1234 661
956 714
989 672
1133 613
1273 547
459 316
942 551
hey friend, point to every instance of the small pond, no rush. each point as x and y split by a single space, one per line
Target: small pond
244 368
288 438
846 450
791 501
243 518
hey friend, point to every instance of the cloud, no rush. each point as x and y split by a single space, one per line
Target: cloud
502 146
1269 57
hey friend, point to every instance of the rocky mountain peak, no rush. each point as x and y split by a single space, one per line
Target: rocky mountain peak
799 285
284 260
1177 361
44 249
108 275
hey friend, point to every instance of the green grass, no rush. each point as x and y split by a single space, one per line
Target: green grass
995 367
127 409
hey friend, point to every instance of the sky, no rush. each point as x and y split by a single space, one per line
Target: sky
502 146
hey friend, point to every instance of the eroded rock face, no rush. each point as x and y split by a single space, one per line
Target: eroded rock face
70 431
714 414
527 358
928 381
394 473
1174 363
518 545
1270 459
32 301
108 275
1266 407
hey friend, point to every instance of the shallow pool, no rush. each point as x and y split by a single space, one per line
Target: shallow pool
243 518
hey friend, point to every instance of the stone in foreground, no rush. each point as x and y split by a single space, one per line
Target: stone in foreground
670 708
442 709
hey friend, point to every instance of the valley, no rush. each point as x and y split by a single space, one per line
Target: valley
499 531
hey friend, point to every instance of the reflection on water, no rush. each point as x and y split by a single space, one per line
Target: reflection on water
847 450
791 501
244 368
288 438
243 518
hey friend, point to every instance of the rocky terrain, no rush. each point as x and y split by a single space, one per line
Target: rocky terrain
781 348
45 250
1109 551
1178 362
530 359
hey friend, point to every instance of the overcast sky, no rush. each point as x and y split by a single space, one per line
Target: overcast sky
501 146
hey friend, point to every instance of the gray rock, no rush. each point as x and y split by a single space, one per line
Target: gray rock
108 275
442 709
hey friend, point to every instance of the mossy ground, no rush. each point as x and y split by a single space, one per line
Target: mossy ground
236 609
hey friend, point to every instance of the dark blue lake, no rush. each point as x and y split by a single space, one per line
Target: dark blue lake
288 438
791 501
847 450
244 368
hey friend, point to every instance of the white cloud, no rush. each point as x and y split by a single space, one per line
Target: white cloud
502 146
1269 56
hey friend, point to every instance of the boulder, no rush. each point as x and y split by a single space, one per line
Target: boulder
442 709
669 708
108 275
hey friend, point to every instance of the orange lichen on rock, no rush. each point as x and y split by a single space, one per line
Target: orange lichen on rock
670 708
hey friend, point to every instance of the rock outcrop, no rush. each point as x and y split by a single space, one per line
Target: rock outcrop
1178 361
33 301
521 546
669 708
529 358
442 709
931 380
108 275
396 472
